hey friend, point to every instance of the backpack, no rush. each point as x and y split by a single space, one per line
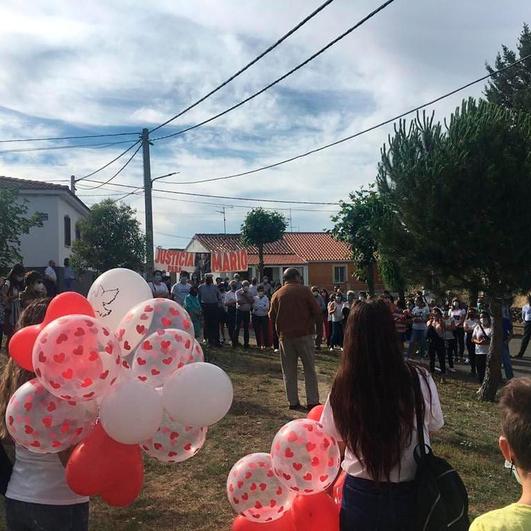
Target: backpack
442 498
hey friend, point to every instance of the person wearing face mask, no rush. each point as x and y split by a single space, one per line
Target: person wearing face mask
230 300
515 446
244 305
159 288
348 304
253 287
210 299
267 286
9 294
260 318
319 322
481 338
458 314
34 289
180 289
470 324
335 310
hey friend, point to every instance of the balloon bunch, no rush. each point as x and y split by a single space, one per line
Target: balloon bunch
117 374
295 487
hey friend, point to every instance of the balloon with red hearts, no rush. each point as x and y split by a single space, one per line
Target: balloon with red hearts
285 523
43 423
146 318
255 492
305 457
315 513
101 466
174 442
197 352
315 413
22 342
76 358
161 354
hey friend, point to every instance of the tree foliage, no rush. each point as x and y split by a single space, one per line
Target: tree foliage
460 199
260 227
512 88
110 237
13 224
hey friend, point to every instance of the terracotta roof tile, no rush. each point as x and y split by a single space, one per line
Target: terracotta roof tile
317 246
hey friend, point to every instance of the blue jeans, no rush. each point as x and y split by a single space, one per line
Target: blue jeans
506 361
336 340
25 516
417 336
368 507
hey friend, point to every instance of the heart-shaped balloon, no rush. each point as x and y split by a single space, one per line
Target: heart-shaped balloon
21 344
101 466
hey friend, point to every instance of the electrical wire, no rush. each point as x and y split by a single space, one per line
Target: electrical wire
109 163
359 133
69 146
247 66
281 78
76 137
117 173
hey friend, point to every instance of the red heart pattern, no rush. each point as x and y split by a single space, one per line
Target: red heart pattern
254 491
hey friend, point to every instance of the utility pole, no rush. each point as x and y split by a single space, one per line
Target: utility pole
150 264
73 184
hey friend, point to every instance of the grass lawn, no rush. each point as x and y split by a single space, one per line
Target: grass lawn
191 495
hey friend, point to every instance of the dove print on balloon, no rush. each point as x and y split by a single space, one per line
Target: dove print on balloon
43 423
76 358
146 318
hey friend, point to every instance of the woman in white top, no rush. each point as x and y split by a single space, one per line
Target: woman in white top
158 287
372 409
37 497
335 311
481 338
260 319
470 323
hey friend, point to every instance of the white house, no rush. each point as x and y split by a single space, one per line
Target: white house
61 210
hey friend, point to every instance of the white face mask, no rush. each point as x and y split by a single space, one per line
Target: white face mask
484 322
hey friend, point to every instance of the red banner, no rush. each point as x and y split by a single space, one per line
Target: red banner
230 261
174 261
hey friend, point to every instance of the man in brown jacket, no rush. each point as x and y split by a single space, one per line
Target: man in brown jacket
293 313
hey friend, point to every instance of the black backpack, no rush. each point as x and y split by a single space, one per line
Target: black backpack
442 499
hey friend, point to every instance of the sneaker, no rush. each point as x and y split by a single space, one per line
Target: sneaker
331 349
276 351
451 369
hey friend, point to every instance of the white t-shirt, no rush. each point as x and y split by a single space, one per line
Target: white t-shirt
337 315
458 316
50 273
448 331
433 421
470 324
420 313
482 350
40 478
159 290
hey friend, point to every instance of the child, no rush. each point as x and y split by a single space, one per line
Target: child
515 445
37 496
193 307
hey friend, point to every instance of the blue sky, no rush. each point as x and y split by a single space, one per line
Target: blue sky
79 68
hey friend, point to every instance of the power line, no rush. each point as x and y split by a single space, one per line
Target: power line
281 78
109 163
247 66
118 172
359 133
69 146
76 137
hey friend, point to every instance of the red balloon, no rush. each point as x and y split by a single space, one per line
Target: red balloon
317 512
282 524
337 488
315 413
21 344
101 466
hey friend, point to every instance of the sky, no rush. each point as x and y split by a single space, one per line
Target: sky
73 68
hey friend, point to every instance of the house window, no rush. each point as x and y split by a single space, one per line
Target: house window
68 231
340 274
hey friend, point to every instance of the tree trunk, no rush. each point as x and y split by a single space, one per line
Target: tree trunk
401 294
261 262
487 391
370 278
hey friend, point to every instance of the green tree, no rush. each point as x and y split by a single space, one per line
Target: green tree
13 224
261 227
110 237
512 88
460 197
359 223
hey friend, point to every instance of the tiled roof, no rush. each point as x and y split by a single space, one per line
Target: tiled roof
293 248
26 184
317 246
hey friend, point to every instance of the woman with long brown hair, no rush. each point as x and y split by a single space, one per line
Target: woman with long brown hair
37 497
371 408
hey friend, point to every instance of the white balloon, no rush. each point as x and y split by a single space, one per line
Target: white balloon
198 394
115 292
132 412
